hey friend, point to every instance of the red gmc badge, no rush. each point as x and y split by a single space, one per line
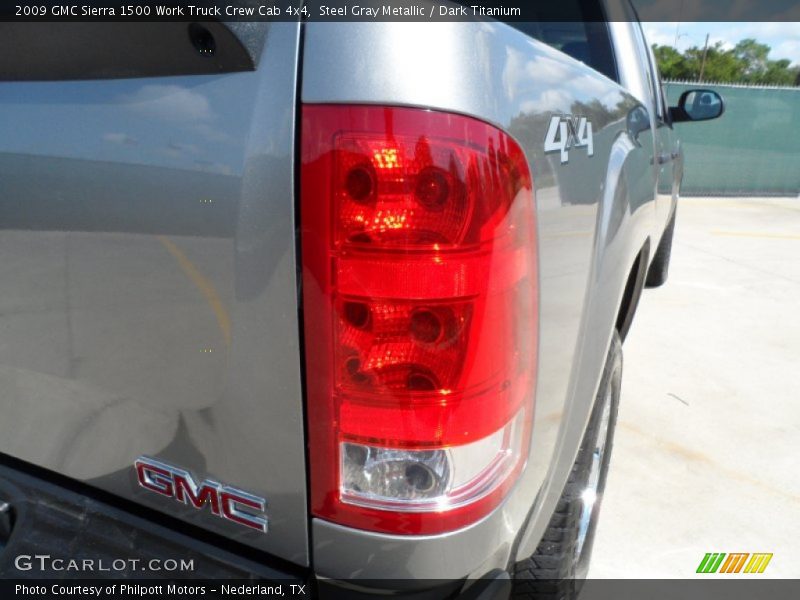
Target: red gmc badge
226 502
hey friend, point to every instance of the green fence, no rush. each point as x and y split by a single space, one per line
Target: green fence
752 150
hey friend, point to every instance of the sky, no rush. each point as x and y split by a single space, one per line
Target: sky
784 38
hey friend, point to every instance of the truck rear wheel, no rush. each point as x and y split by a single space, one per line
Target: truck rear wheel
561 560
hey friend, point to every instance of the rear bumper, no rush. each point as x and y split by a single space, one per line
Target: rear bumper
52 528
60 531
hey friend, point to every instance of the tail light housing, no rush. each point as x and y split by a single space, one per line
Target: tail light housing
420 315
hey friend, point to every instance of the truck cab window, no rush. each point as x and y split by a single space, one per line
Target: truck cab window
584 37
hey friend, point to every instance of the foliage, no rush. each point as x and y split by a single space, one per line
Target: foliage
747 62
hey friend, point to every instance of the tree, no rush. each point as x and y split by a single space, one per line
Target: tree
747 62
779 72
753 56
671 63
721 65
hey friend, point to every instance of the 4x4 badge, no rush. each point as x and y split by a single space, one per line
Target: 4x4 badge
568 131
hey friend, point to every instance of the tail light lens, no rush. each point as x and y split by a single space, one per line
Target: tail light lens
420 312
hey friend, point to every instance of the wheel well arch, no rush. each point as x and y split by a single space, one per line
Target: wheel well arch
633 291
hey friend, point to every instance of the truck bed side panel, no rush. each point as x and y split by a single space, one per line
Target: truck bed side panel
148 301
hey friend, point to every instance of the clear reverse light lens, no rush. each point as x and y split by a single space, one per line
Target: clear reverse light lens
423 480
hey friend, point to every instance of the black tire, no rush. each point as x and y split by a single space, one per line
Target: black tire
659 268
557 567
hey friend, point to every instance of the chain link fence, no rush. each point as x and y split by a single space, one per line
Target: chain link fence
752 150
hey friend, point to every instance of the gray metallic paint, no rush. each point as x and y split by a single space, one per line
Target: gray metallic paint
594 216
118 274
149 300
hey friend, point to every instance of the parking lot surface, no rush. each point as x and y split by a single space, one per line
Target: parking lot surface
707 444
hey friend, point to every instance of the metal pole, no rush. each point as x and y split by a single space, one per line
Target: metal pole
703 63
678 26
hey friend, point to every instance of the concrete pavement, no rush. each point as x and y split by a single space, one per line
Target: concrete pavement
707 446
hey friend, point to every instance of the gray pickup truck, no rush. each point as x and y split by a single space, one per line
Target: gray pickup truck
331 302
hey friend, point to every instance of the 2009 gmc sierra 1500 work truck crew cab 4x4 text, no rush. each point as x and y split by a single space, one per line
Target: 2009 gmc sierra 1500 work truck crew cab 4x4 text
336 301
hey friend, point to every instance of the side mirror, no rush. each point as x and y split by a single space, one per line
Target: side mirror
697 105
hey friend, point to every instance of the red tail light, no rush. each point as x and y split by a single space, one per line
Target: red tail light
420 300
